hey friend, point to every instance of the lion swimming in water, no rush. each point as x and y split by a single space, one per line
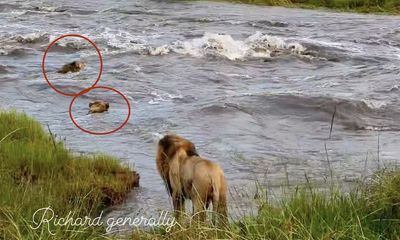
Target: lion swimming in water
74 66
98 106
189 176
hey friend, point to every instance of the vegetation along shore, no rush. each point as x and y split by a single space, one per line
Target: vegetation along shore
37 171
361 6
370 211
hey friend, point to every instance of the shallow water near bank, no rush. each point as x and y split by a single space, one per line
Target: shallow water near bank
255 92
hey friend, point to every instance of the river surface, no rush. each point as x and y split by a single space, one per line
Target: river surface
253 87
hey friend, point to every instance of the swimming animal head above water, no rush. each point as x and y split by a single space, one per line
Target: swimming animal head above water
98 106
74 66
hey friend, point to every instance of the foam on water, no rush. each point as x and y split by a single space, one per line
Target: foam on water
70 42
374 104
234 75
214 44
394 88
157 97
258 45
32 37
17 12
120 39
47 8
162 50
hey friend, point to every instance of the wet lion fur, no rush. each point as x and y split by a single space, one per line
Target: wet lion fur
98 106
74 66
189 176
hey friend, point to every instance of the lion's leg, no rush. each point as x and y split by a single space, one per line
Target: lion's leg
199 208
220 210
215 213
179 205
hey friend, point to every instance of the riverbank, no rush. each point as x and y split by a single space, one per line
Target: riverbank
359 6
37 171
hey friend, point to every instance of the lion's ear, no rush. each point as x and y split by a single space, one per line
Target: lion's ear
164 142
192 151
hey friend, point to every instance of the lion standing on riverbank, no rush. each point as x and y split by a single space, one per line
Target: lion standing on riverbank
188 176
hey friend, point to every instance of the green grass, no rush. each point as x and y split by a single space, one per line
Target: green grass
362 6
36 171
371 211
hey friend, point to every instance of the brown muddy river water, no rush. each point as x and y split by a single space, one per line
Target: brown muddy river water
253 87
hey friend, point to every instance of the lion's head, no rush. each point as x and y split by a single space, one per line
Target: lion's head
168 146
98 106
77 65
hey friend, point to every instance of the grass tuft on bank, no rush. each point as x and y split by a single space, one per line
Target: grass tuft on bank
370 211
37 171
361 6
